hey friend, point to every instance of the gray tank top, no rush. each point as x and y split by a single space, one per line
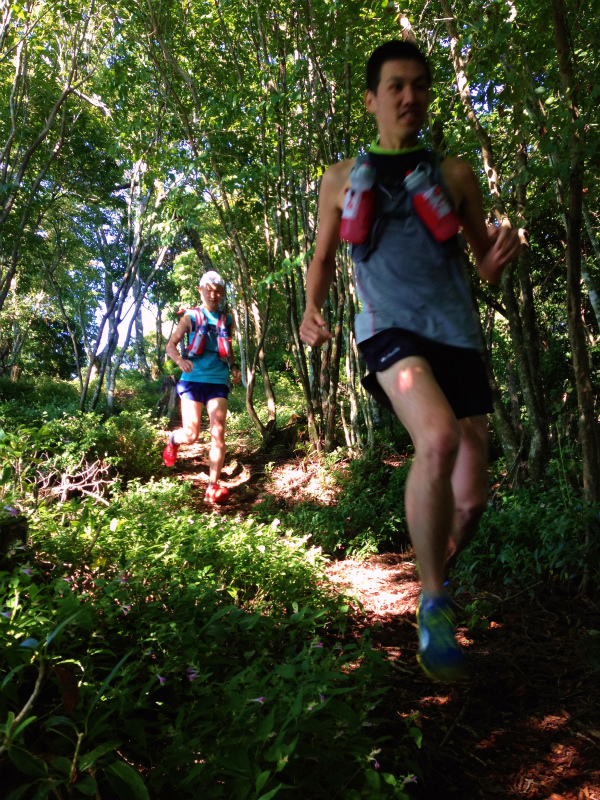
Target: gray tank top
405 279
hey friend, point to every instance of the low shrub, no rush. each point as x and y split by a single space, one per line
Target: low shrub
531 535
129 442
368 515
33 401
170 652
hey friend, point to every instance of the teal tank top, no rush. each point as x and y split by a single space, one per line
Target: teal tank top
209 368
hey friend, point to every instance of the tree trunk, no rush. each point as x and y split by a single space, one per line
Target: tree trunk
140 345
588 425
334 373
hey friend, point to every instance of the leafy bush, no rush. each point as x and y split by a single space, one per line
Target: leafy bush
368 515
34 401
531 535
130 442
165 651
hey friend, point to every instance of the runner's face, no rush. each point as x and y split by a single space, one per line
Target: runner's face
400 105
211 295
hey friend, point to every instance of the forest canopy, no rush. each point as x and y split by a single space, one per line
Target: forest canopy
145 143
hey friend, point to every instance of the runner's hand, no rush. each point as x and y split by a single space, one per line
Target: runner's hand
313 330
186 366
505 248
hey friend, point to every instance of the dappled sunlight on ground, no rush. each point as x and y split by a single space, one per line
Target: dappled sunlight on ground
386 584
302 480
526 724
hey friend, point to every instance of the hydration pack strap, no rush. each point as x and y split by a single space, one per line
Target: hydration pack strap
196 345
362 252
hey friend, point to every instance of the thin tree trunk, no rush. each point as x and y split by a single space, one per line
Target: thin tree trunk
140 345
335 359
588 425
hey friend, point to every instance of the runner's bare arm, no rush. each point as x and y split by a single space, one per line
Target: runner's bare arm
184 327
493 248
313 330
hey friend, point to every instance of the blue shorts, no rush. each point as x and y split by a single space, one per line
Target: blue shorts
201 392
460 372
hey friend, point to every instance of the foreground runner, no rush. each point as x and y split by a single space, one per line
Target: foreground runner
205 379
417 329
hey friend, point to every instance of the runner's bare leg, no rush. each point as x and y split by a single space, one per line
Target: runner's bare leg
191 413
423 409
217 413
469 484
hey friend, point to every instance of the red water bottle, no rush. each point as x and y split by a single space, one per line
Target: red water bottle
359 205
431 205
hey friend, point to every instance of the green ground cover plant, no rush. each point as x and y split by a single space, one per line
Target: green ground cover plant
147 648
528 536
368 515
31 401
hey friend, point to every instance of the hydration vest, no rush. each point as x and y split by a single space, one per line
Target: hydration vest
388 206
407 279
197 339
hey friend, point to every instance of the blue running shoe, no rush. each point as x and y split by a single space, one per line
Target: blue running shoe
439 653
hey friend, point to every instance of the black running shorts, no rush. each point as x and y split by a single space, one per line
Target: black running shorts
459 371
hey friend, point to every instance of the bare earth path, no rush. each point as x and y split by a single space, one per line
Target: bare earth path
526 724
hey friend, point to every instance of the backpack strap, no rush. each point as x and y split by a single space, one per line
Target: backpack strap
196 341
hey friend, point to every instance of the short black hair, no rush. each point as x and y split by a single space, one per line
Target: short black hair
394 50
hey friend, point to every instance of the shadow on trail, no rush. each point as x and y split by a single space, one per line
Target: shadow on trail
526 724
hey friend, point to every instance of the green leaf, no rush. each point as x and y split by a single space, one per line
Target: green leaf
87 786
22 791
270 794
89 759
373 781
126 782
262 779
285 670
9 721
106 682
61 764
264 729
23 725
62 625
27 763
417 735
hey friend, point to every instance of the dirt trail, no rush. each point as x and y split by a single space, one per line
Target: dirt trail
526 724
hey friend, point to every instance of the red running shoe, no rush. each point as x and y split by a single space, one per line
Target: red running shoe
216 494
170 454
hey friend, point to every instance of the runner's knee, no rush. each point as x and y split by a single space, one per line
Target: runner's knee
469 513
438 449
189 434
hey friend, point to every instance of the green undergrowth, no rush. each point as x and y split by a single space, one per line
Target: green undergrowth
529 536
33 401
129 445
148 650
368 515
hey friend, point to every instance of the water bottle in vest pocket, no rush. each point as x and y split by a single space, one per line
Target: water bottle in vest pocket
359 205
223 339
430 203
198 340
